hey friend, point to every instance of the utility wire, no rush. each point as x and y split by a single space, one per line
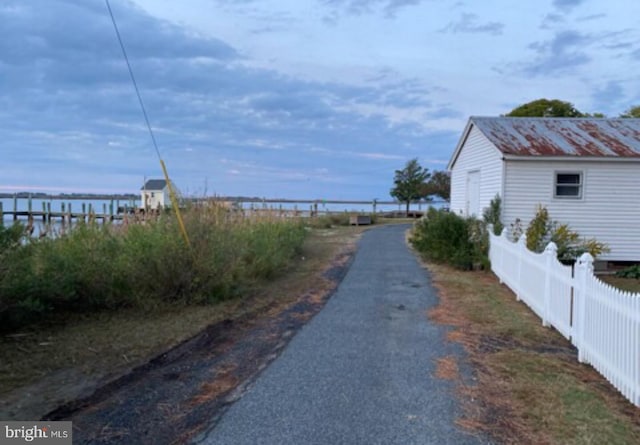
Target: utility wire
133 79
172 194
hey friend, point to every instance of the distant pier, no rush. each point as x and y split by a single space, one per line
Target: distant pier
67 213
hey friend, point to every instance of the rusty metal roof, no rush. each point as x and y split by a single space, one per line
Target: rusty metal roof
542 136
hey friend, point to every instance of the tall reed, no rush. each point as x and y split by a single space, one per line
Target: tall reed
99 267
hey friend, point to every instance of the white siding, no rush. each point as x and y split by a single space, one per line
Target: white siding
609 209
154 199
476 154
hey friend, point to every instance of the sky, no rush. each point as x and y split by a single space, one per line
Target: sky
299 99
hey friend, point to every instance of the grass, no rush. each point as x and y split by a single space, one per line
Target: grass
55 362
628 284
107 267
529 386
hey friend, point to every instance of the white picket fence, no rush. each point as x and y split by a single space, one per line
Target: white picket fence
601 321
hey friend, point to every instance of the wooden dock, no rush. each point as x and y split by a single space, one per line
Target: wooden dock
67 214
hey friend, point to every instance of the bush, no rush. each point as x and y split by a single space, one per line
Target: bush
10 236
630 272
542 230
98 267
493 214
329 220
445 237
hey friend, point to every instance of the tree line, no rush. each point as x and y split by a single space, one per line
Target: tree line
560 108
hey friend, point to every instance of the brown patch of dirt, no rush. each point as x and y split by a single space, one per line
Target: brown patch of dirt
224 380
175 396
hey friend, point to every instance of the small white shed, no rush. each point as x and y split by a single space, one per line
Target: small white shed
155 194
586 171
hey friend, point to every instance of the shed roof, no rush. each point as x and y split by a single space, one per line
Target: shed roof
542 136
154 184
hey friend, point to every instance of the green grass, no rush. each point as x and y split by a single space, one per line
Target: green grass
107 267
530 386
57 362
628 284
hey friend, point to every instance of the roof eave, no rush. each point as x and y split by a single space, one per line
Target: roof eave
536 158
461 141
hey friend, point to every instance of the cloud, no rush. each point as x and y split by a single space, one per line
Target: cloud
621 44
468 23
550 21
607 98
567 5
592 17
565 51
67 104
361 7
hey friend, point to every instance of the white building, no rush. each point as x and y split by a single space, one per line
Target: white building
155 194
585 171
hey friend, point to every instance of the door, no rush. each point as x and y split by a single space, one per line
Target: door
473 193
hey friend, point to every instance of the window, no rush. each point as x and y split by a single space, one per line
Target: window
153 195
568 185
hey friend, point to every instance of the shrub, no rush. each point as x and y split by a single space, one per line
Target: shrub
630 272
10 236
492 215
98 267
445 237
329 220
542 230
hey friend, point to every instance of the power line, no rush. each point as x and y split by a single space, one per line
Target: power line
172 193
133 79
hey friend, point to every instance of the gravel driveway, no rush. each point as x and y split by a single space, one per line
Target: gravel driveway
362 370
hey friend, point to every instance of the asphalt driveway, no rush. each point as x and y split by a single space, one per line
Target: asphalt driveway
361 371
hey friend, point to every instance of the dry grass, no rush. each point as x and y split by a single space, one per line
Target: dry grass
447 368
530 387
49 365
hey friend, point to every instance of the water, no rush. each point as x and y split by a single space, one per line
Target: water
103 206
98 206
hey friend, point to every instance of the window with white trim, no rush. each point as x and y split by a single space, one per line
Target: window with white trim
568 185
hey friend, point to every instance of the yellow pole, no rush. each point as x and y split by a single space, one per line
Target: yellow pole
174 203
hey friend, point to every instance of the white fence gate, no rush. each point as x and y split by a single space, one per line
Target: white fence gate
601 321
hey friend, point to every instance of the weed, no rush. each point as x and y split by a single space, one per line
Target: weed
629 272
97 267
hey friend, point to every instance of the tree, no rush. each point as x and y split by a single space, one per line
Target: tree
632 112
546 108
408 183
438 185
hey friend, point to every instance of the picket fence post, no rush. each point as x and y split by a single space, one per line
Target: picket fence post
550 252
503 238
521 248
584 267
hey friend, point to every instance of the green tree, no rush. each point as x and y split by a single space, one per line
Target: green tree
632 112
546 108
409 183
438 185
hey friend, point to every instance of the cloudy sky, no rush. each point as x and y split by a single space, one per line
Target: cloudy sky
287 98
